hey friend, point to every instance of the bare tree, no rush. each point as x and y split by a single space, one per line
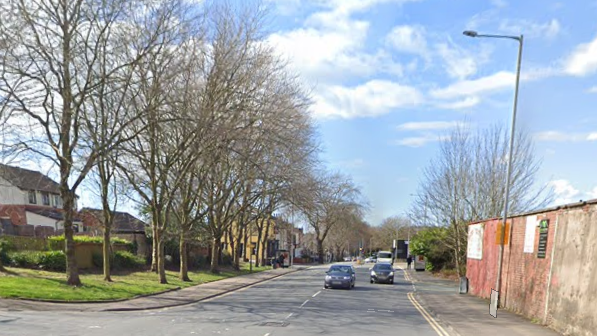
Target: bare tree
51 67
323 200
395 227
466 183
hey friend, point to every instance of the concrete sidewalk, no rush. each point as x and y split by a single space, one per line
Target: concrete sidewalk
169 299
465 314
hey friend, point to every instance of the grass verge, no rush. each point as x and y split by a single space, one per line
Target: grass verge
35 284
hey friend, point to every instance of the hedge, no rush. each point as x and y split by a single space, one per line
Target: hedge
47 260
19 243
56 243
121 260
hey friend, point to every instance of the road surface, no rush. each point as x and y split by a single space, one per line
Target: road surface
295 304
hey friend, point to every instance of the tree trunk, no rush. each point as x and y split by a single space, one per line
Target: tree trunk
154 249
106 254
215 255
72 272
320 250
161 262
264 246
246 241
238 253
258 255
184 266
233 250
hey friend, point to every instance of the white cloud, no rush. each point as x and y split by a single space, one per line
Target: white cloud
373 98
492 83
531 29
593 193
408 39
564 192
465 103
331 44
427 125
558 136
583 60
592 89
458 62
420 141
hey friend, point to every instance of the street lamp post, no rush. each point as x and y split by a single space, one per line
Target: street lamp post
520 40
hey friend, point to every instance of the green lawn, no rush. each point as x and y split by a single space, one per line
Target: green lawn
34 284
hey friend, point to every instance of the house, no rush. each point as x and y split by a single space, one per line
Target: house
30 203
125 226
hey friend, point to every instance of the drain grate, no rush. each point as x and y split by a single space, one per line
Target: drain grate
273 324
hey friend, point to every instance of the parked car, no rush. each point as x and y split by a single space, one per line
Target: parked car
343 276
382 272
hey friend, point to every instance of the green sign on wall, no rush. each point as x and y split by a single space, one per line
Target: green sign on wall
543 231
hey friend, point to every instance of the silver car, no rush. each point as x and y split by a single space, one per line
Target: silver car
342 276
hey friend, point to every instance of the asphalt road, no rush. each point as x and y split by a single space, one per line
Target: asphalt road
295 304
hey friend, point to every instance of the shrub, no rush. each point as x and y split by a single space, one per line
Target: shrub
226 258
97 259
47 260
24 259
120 260
52 261
198 262
125 260
5 247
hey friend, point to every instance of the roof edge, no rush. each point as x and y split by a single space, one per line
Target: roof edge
538 211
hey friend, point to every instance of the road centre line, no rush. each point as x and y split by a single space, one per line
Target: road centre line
289 315
432 322
314 295
304 303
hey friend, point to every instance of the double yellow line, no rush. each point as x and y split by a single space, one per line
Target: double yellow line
407 276
432 322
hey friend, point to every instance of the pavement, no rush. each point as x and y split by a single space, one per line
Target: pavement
164 300
465 314
293 304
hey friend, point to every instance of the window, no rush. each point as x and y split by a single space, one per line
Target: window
57 201
45 198
32 197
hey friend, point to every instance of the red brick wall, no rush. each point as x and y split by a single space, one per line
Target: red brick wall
524 276
16 213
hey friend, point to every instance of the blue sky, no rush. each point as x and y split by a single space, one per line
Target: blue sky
390 77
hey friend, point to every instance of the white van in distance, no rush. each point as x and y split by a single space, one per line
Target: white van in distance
385 257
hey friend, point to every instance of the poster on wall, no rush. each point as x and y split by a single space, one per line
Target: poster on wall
475 242
543 231
529 234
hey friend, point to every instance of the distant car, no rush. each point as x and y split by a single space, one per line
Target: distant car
370 260
343 276
385 257
382 272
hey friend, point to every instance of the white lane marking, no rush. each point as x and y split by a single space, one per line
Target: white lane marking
95 327
289 315
304 303
314 295
387 311
266 334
